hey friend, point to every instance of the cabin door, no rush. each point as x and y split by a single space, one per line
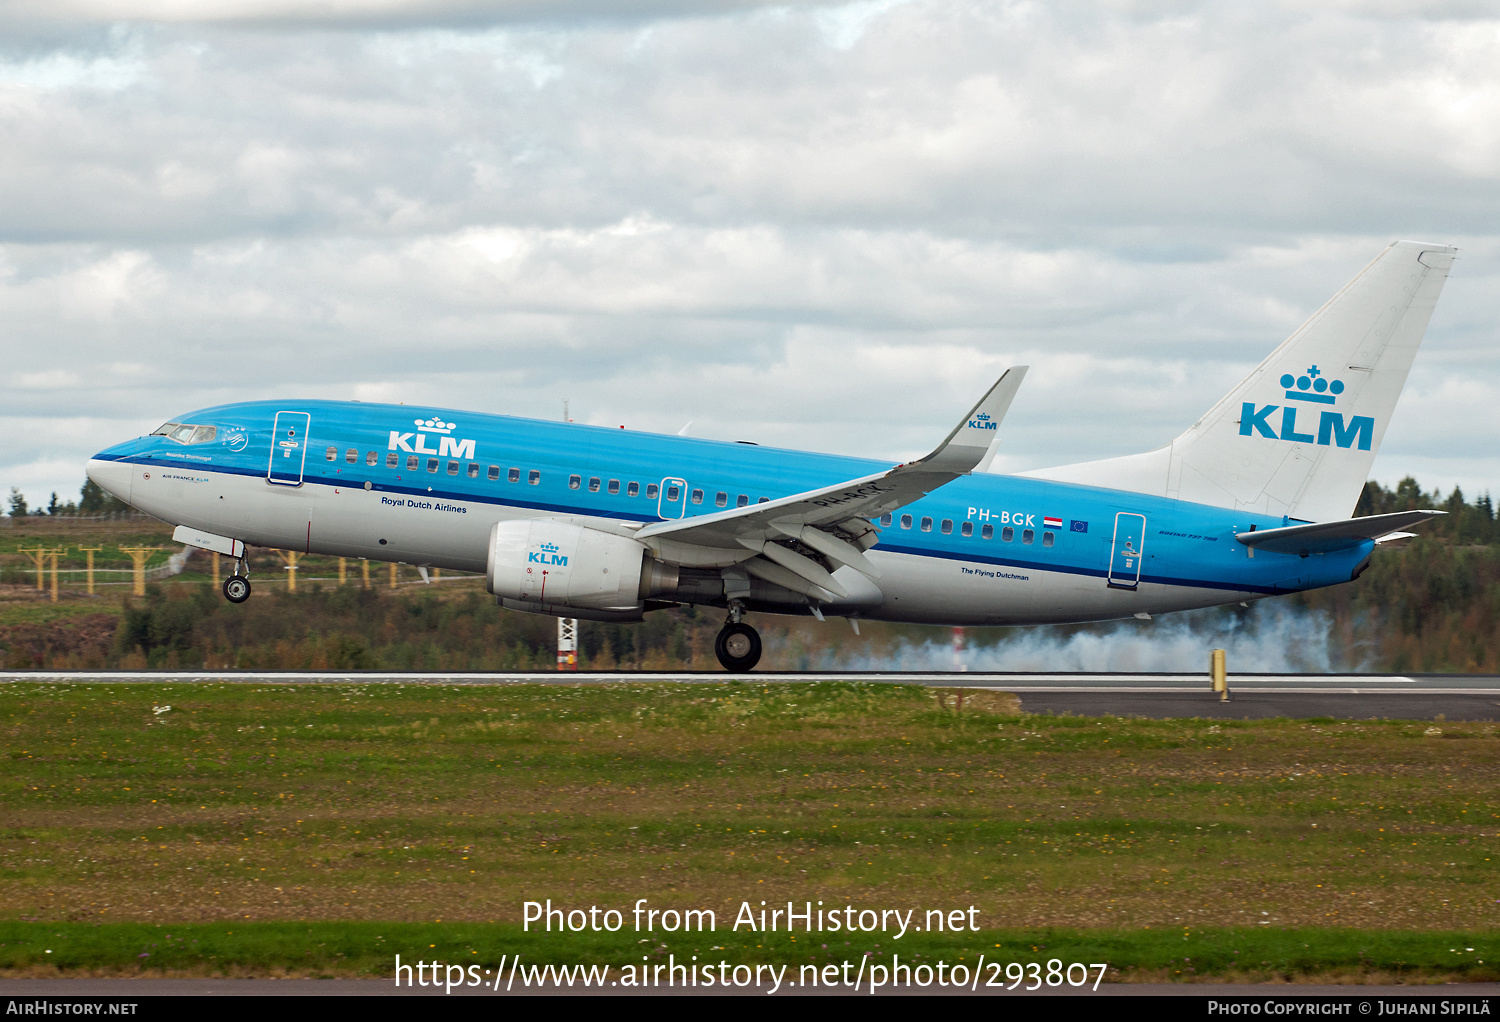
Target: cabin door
673 500
288 449
1126 552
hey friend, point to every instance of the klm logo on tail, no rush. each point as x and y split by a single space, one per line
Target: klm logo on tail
983 422
1311 388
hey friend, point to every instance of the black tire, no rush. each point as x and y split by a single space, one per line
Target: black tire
236 589
738 647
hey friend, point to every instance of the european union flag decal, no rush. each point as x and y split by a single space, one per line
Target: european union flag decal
1078 526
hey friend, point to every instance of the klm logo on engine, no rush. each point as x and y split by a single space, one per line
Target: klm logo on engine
548 554
1310 388
982 422
429 429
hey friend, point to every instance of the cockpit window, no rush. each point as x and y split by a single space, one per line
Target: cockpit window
187 433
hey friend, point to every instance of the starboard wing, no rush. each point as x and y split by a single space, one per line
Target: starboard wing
834 523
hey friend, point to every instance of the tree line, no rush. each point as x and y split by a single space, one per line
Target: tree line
92 500
1428 604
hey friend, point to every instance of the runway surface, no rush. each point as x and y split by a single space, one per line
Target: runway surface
118 988
1454 697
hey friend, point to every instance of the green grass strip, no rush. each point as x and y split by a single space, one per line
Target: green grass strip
370 949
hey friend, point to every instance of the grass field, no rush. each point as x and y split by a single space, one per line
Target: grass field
414 804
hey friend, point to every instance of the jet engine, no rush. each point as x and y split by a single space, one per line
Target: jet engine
554 567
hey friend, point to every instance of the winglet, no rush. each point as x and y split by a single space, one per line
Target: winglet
973 440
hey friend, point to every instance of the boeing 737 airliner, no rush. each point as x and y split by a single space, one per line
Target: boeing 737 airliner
578 521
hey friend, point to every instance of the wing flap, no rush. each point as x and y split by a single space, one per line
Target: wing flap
830 546
804 567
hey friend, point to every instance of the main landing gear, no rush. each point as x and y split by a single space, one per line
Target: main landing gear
237 586
738 645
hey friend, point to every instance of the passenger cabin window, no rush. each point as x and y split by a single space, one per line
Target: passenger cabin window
672 492
593 484
514 475
493 474
614 487
947 526
987 532
1007 534
721 499
392 460
1048 538
926 524
332 454
453 468
651 491
411 463
885 520
473 470
906 521
533 477
574 482
697 496
371 457
1027 535
633 489
968 529
742 501
432 464
763 500
351 455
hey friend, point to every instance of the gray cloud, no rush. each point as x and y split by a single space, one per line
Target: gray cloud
821 226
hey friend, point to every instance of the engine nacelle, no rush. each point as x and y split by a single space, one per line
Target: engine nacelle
543 563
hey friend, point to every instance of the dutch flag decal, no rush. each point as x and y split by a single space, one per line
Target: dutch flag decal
1052 523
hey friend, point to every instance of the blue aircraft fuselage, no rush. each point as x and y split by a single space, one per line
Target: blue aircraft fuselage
424 486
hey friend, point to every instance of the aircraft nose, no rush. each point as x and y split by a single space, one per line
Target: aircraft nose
112 476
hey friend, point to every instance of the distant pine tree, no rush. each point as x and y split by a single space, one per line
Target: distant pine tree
95 500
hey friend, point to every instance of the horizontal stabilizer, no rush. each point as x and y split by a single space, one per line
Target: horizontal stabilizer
1324 537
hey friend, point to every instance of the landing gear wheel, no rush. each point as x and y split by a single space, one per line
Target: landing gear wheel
738 647
236 589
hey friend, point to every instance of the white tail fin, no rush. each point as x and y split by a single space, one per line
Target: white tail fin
1296 437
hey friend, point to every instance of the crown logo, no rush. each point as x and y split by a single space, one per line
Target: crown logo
1311 386
984 416
550 548
434 425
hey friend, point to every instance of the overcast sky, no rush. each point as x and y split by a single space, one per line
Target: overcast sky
826 226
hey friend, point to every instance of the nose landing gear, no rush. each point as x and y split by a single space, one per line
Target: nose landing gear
237 586
738 645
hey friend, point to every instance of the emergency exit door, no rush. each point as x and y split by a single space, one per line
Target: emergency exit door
288 449
1127 550
673 500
